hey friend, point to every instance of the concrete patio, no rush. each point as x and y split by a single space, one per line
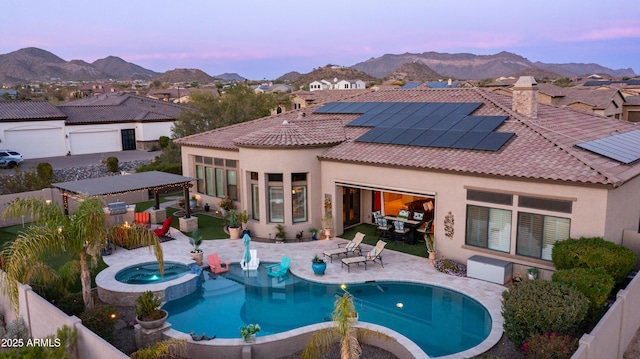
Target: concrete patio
397 266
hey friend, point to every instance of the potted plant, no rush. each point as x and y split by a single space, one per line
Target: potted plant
149 314
280 233
318 265
226 204
193 202
196 253
532 273
234 225
249 331
314 233
181 202
243 218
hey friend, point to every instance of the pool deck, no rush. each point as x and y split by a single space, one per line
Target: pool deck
397 266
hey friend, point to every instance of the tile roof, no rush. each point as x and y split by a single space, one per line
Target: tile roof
29 110
542 149
119 107
296 133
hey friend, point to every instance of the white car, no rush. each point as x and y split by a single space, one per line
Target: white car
10 159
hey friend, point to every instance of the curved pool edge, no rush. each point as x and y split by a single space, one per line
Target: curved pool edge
494 309
291 341
113 292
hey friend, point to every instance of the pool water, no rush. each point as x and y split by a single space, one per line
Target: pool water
149 273
439 320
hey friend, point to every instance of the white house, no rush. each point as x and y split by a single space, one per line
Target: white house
349 85
104 123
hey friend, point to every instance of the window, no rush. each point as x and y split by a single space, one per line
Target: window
255 196
299 197
538 233
490 197
545 204
276 198
276 204
217 177
489 228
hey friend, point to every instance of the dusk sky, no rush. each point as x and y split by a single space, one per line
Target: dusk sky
266 39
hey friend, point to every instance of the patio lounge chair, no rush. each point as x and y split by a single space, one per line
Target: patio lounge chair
279 269
373 256
346 248
164 231
253 263
216 264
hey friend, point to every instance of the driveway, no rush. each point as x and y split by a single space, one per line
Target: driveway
62 162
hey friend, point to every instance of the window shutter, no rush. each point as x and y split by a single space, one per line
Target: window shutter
555 229
477 218
499 230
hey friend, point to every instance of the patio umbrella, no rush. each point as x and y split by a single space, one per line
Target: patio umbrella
247 253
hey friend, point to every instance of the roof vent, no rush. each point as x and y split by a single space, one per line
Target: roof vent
285 122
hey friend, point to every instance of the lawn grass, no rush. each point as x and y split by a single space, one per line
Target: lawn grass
370 237
210 227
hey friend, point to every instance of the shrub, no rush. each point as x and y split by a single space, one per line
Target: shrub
101 320
17 329
550 346
538 306
163 141
45 172
72 304
595 284
594 253
112 164
175 168
449 266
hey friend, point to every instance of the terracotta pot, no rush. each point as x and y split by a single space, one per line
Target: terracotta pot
234 233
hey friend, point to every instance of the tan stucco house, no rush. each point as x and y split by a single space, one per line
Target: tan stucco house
510 175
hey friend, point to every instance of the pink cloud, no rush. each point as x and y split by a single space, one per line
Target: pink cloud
611 33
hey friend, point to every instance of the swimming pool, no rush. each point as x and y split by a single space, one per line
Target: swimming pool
149 273
439 320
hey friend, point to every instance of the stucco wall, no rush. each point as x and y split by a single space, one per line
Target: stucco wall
623 210
587 217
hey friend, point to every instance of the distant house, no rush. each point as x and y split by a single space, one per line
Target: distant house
349 85
320 85
92 89
105 123
179 95
9 94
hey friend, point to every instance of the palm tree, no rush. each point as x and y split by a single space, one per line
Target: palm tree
81 235
343 316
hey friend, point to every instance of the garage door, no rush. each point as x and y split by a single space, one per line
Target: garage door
95 142
36 143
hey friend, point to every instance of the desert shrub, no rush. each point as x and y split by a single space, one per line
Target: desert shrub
112 164
45 172
550 346
163 141
101 320
449 266
17 329
595 284
538 306
175 168
594 253
72 304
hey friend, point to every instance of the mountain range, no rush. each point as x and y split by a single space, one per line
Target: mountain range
34 64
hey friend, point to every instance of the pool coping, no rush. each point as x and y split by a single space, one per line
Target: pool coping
397 267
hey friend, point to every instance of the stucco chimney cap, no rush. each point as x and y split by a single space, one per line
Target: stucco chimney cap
525 81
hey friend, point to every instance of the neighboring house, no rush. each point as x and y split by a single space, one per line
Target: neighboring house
104 123
93 89
510 176
602 101
349 85
320 85
177 94
631 109
9 94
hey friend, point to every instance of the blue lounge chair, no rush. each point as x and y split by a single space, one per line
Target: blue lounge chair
279 269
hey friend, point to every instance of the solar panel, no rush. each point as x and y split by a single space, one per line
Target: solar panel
494 141
470 140
438 124
447 139
410 85
623 147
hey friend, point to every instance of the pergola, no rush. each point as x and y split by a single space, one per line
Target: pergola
113 185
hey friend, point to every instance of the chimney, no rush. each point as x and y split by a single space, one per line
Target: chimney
525 97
